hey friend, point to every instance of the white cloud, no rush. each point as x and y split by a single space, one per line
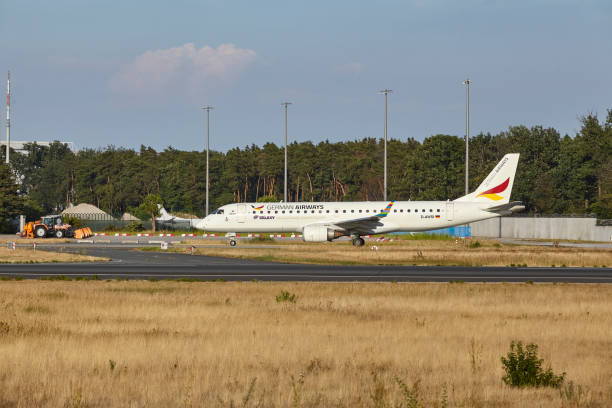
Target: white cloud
182 67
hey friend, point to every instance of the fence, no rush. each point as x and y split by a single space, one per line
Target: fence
571 228
101 222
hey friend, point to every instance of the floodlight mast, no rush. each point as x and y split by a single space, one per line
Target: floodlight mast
207 108
386 92
285 104
467 83
8 118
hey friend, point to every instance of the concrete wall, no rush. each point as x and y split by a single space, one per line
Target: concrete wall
542 228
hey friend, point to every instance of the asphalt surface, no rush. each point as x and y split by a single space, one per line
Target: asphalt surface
130 264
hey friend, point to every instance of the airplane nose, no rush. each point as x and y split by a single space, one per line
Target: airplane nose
203 224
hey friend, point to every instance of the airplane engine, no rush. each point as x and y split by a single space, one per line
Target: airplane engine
320 233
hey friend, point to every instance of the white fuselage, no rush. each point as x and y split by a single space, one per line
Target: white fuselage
293 217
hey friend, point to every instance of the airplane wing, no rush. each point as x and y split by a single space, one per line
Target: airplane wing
362 225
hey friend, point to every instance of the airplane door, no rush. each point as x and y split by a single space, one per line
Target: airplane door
241 213
450 211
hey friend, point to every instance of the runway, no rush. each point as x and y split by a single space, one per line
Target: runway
129 264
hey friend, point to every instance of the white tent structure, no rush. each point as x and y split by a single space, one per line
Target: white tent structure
129 217
87 212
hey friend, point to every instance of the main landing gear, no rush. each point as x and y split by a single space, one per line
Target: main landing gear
358 241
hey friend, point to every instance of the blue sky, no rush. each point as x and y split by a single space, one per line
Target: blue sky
129 73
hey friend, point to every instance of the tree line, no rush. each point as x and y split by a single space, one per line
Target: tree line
556 174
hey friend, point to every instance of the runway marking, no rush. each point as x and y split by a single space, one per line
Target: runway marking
253 275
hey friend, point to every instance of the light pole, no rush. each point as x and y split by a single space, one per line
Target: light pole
285 104
386 92
207 109
467 83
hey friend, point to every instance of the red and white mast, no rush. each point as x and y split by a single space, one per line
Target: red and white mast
8 116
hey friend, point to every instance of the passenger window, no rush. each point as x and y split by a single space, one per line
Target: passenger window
430 210
253 212
344 211
367 211
408 210
275 212
438 210
401 210
290 211
394 210
320 211
283 211
269 212
359 210
336 211
327 211
352 211
312 211
298 211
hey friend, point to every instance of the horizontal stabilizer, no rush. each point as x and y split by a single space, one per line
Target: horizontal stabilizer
507 209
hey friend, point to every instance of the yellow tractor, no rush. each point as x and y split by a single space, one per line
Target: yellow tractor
53 226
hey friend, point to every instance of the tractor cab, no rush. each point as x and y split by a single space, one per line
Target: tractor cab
51 221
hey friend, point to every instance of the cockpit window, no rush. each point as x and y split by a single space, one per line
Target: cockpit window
218 211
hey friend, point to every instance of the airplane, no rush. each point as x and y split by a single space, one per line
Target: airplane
167 218
326 221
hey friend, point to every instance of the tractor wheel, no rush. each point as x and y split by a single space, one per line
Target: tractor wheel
59 233
40 232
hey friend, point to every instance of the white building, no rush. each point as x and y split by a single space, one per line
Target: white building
18 145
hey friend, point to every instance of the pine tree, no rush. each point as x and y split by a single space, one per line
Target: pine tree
11 204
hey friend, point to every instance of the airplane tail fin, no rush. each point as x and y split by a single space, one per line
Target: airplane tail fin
497 186
163 214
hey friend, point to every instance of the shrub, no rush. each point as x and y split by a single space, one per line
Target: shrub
286 297
410 395
74 221
135 226
262 238
475 244
524 369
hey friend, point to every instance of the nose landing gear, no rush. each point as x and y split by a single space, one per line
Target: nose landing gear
232 238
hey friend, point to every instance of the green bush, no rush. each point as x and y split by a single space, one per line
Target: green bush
267 199
524 369
135 226
475 244
286 297
262 238
74 221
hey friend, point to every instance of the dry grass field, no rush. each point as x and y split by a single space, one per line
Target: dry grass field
418 252
21 241
162 344
21 255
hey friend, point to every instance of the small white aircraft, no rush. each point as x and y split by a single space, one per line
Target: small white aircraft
165 217
325 221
